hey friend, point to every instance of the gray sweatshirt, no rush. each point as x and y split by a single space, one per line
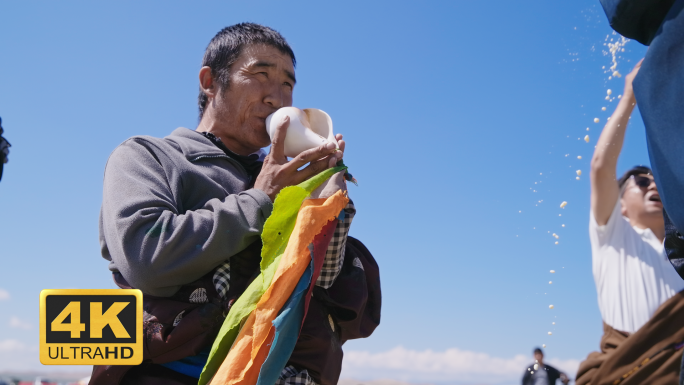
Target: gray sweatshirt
175 208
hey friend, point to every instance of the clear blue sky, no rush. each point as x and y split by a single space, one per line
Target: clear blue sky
451 111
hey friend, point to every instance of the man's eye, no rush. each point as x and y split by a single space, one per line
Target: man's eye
263 73
288 85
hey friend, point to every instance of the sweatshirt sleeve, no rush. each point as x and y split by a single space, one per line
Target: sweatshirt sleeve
156 247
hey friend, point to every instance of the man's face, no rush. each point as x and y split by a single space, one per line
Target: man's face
261 81
641 199
539 357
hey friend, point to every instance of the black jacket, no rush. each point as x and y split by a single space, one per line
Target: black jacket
552 373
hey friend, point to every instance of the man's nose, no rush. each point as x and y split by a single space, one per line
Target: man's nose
274 98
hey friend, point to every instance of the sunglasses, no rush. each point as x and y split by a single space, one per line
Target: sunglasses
642 181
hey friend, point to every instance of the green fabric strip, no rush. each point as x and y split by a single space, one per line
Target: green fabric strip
275 236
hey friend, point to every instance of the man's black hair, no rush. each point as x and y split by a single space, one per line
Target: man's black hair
224 49
538 350
636 170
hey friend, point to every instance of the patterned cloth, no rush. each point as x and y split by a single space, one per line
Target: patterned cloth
290 376
332 264
222 279
334 257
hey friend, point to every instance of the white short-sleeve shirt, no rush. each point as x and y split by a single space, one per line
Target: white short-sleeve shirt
632 273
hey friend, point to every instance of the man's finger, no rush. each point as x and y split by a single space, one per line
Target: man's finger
311 155
315 167
278 142
341 144
638 65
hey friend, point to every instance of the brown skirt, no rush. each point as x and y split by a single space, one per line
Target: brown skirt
652 355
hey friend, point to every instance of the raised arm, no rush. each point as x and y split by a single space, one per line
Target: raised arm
604 188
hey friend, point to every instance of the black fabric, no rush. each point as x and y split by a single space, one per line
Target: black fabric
637 19
156 375
251 163
674 245
4 149
349 309
198 326
552 373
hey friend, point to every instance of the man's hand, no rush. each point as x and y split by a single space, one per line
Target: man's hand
277 173
564 378
629 91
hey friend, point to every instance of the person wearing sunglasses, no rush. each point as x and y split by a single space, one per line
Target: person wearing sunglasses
638 290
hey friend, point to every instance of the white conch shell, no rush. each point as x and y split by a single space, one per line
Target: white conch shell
308 128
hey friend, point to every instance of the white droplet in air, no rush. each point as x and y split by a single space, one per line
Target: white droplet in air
563 204
586 138
536 366
587 128
562 225
550 282
596 120
609 92
579 172
550 306
544 346
579 156
607 97
552 271
550 333
556 242
553 323
577 178
603 108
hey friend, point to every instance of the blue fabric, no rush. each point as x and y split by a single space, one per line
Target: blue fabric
659 90
287 326
636 19
190 366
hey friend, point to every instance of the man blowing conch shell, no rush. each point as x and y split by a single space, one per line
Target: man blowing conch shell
182 218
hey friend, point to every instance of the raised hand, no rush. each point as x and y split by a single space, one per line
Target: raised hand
278 173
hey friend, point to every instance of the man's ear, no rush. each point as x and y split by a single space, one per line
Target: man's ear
207 83
623 207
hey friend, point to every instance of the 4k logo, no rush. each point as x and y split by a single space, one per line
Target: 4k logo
91 327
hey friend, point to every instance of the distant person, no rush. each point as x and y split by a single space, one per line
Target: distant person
636 285
4 150
541 374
